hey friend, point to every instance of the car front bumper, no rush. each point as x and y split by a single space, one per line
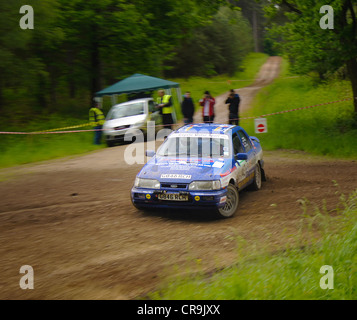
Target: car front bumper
125 134
149 198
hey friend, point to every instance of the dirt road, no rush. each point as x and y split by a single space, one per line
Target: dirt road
268 72
73 222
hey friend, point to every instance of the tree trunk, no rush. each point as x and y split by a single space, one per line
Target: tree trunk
53 87
1 93
70 76
95 68
40 94
352 72
255 31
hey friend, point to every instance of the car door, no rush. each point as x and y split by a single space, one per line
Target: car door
249 150
242 165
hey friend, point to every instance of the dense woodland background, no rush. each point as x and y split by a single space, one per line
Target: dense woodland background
78 47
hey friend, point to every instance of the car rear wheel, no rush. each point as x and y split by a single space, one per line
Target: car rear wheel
231 204
257 182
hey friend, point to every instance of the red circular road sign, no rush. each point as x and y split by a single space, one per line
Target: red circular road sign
261 127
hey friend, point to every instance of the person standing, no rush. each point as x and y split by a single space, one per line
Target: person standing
233 100
207 102
165 105
97 119
187 108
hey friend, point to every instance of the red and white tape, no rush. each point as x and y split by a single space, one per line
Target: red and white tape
264 115
297 109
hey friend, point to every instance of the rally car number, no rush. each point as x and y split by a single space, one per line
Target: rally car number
173 197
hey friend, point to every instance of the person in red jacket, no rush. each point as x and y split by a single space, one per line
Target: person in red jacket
207 102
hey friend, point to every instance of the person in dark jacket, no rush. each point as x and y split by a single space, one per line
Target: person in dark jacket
187 108
233 100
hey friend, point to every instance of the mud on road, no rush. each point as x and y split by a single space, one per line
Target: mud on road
72 221
79 231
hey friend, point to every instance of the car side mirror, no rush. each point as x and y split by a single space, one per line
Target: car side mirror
150 153
242 156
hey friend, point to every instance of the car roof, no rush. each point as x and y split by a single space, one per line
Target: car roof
206 128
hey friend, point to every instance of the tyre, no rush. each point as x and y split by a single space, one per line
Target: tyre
231 204
110 143
257 182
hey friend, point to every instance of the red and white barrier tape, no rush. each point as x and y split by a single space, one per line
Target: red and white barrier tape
297 109
261 116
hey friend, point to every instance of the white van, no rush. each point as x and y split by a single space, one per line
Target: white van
132 114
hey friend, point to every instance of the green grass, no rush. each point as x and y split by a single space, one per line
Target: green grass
323 130
292 273
22 149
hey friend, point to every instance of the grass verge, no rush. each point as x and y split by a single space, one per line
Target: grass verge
323 130
325 239
23 149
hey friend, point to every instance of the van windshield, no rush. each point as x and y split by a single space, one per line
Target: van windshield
126 110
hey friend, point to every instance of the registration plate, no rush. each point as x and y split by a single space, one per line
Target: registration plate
173 197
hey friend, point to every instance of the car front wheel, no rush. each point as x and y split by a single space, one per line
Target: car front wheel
231 203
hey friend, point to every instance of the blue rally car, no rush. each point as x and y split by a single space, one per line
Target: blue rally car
200 166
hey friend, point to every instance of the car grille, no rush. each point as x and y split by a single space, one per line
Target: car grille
122 127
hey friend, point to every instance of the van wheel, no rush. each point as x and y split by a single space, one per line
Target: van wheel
110 143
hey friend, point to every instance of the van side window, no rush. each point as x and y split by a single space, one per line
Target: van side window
237 146
245 141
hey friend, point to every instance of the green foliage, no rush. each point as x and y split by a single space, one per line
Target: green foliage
309 47
290 274
220 84
214 49
78 47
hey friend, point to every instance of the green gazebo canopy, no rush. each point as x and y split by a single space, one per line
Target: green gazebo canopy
137 83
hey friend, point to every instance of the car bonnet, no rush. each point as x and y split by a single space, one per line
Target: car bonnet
170 169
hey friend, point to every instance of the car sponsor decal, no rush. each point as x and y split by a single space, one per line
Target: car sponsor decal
223 128
218 164
223 199
180 164
246 180
176 176
199 135
228 172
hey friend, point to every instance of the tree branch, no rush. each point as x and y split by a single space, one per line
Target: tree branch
291 7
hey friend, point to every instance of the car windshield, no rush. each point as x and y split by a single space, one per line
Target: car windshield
126 110
196 146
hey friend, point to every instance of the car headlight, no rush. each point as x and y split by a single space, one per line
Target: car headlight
205 185
147 183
